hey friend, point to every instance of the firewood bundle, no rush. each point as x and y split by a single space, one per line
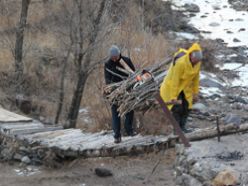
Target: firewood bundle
137 92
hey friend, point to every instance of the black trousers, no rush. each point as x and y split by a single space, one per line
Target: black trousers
116 122
181 112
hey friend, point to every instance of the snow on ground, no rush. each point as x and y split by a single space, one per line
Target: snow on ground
209 91
221 20
186 35
242 71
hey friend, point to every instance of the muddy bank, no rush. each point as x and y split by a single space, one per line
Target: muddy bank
152 169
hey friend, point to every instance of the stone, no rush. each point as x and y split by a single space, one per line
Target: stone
241 29
192 7
202 171
232 119
236 40
102 172
17 156
26 160
188 180
214 24
7 154
200 106
239 19
226 177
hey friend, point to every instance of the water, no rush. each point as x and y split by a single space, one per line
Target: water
221 20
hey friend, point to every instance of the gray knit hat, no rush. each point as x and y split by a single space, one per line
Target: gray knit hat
114 51
197 55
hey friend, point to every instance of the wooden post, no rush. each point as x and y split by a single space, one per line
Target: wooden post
218 128
172 120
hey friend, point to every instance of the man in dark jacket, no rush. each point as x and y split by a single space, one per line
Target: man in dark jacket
114 75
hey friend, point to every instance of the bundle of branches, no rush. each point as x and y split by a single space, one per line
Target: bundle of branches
137 93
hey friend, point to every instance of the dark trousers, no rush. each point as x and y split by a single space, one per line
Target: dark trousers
181 112
116 122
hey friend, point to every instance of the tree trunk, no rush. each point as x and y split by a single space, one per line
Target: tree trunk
19 44
83 73
61 89
77 96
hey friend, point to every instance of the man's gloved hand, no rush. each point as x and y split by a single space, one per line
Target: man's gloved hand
176 102
106 90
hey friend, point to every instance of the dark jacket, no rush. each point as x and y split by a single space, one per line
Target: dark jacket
110 66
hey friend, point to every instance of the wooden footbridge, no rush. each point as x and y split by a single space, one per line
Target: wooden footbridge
38 139
21 136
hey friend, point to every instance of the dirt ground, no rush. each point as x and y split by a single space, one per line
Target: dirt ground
151 169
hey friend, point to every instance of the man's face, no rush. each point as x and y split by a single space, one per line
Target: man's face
194 61
115 58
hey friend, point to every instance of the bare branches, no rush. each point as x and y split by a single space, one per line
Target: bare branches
132 94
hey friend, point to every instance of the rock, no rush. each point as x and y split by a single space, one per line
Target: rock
188 180
17 156
26 160
239 19
236 40
216 7
7 153
184 27
229 32
242 29
203 16
231 20
200 106
232 119
237 99
214 24
192 15
102 172
203 171
206 32
206 82
226 177
192 8
220 40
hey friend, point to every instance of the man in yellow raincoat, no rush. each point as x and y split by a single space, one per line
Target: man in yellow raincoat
181 84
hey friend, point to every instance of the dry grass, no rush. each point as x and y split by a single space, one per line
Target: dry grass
43 51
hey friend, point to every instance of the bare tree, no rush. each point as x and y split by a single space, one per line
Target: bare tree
19 67
85 28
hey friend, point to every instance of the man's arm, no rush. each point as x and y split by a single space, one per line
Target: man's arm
178 70
107 74
195 87
129 63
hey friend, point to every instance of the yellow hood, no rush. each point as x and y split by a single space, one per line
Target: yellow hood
194 47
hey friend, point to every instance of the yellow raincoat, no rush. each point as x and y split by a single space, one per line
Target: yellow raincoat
182 76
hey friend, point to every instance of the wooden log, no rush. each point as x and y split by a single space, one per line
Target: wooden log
212 132
34 130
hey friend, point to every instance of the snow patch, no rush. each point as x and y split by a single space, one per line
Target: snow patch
209 91
230 25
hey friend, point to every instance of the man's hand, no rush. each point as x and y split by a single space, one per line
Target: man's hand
106 90
195 98
176 102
